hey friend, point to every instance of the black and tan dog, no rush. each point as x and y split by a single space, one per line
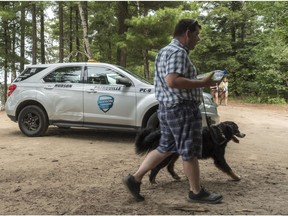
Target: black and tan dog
213 147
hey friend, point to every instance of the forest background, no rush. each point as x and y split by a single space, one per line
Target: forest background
247 38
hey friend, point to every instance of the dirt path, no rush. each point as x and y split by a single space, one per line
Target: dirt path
79 171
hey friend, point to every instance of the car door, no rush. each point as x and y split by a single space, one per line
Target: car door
105 101
63 94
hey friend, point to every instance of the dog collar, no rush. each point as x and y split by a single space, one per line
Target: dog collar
223 136
217 135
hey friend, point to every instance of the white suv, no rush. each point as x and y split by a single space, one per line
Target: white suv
85 94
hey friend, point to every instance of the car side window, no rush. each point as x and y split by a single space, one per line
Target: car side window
102 75
65 75
28 72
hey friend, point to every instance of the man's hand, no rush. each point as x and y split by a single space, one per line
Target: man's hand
208 81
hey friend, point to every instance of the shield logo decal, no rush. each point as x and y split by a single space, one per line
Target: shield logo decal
105 102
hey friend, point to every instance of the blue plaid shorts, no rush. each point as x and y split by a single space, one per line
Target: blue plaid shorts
181 130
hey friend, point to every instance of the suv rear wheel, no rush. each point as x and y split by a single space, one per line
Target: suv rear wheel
33 121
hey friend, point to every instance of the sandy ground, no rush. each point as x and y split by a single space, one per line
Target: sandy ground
79 171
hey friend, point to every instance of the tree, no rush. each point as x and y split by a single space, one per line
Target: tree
271 54
22 34
7 41
249 39
71 10
122 15
42 38
61 32
77 39
103 26
82 11
34 33
147 33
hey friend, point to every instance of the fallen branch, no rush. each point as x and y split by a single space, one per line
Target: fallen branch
244 210
188 209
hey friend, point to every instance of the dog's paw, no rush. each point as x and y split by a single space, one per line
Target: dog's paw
238 178
234 176
176 177
152 179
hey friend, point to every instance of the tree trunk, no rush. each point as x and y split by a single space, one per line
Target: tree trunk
122 15
109 57
146 63
42 39
77 34
34 34
22 35
13 54
85 31
12 44
6 51
70 33
61 32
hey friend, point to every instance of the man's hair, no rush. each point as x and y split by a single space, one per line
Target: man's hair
185 24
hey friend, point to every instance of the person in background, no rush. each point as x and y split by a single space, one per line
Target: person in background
179 93
214 93
223 91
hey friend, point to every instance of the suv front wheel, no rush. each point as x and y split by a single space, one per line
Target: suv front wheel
153 121
32 121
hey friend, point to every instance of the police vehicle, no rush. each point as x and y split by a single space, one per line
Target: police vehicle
85 94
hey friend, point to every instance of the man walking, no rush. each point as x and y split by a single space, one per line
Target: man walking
179 94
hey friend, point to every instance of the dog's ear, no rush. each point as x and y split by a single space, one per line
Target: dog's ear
231 133
228 132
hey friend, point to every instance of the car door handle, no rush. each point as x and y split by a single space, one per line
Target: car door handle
91 91
49 87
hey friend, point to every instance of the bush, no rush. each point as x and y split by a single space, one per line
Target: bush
276 101
266 100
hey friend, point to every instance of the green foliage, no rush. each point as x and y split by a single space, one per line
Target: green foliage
271 73
265 100
247 38
150 32
103 27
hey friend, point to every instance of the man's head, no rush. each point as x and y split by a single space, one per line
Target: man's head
187 32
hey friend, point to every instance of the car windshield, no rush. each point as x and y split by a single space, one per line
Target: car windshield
28 72
135 75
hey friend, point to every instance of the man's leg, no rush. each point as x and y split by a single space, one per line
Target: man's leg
197 193
216 97
192 171
152 159
132 182
226 98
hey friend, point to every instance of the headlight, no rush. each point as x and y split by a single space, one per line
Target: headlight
207 100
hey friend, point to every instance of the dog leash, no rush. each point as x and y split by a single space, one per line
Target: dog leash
211 131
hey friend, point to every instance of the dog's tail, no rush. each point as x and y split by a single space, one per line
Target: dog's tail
147 140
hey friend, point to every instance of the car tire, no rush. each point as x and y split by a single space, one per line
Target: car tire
33 121
153 121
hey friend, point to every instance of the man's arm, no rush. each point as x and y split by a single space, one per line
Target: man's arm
175 80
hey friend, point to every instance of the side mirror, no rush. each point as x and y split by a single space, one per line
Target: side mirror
123 81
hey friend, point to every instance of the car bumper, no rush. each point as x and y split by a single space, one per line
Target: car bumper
12 118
